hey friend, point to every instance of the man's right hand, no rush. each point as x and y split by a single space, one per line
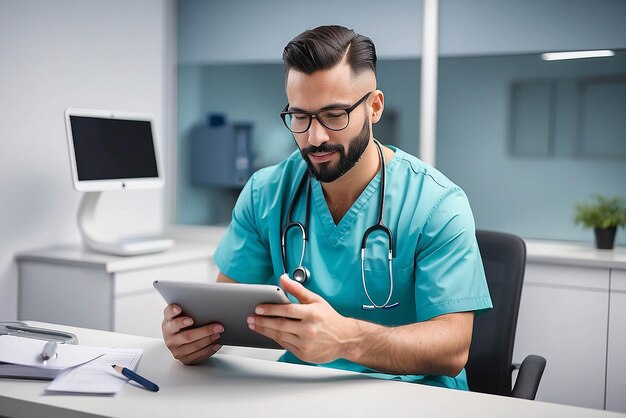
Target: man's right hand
189 345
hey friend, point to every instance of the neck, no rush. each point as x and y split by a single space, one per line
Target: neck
342 193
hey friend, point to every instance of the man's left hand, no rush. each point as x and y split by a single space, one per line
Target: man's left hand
312 330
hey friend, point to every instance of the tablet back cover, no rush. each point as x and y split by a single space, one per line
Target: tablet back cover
227 303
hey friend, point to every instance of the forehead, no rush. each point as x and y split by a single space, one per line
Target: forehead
338 85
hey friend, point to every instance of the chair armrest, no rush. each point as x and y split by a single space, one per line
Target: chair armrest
529 376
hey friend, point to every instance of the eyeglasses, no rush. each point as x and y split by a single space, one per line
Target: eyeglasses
335 119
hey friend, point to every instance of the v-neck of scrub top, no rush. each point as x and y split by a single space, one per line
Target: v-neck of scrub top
334 233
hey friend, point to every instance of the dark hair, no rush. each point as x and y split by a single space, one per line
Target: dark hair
324 47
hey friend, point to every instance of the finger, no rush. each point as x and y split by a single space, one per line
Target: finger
176 324
200 355
192 335
278 335
292 326
192 347
286 310
300 292
171 311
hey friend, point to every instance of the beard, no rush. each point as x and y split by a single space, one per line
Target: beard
328 172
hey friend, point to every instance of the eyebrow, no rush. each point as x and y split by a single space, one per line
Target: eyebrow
327 107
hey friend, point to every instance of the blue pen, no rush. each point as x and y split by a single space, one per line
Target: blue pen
134 376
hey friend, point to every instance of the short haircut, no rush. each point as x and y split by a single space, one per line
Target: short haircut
324 47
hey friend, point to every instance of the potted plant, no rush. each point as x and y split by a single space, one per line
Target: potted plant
604 215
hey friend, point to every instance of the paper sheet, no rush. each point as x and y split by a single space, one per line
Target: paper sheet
27 352
98 377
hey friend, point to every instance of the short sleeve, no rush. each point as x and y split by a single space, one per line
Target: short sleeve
449 270
243 254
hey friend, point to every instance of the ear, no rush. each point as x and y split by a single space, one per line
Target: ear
378 105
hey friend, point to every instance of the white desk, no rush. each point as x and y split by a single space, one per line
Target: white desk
235 386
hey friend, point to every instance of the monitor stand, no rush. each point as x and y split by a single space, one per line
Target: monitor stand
99 241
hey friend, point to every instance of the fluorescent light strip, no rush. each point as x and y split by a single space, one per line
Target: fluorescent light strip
554 56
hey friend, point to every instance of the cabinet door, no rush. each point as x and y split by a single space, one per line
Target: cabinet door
616 367
563 317
65 294
138 306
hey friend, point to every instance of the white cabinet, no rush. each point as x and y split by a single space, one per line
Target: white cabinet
563 317
616 355
573 312
68 285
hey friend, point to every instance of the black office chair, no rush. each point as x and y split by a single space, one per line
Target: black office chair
489 367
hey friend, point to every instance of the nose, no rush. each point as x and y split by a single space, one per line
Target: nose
317 133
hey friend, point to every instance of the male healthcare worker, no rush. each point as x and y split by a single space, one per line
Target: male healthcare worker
409 318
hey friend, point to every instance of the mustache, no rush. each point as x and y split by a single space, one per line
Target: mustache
325 147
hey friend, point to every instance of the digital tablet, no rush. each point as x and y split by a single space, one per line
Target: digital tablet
227 303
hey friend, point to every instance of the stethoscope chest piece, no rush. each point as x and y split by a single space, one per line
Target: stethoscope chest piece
301 274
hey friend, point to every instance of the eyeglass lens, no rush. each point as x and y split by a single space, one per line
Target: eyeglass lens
335 119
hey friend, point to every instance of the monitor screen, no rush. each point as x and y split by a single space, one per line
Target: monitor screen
111 150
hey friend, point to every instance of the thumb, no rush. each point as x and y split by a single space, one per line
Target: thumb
300 292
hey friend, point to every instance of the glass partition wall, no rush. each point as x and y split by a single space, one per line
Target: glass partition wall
528 139
253 94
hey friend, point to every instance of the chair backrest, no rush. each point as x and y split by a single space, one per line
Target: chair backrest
491 353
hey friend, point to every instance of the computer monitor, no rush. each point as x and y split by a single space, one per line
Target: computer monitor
112 150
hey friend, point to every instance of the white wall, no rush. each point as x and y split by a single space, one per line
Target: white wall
112 54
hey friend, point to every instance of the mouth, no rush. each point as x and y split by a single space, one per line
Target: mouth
321 157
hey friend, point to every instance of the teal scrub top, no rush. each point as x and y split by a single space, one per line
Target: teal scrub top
437 267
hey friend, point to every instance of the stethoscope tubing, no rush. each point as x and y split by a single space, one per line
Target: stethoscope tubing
301 273
294 224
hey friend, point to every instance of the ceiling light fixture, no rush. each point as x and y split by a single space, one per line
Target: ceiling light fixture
554 56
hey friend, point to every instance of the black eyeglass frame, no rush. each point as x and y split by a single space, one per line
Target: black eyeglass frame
285 112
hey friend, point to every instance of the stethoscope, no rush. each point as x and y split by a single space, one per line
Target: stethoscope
301 274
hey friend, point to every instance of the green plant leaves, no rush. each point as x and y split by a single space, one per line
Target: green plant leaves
603 212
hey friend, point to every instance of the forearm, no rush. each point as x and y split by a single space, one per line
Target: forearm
439 346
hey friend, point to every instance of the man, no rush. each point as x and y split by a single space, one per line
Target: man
422 331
